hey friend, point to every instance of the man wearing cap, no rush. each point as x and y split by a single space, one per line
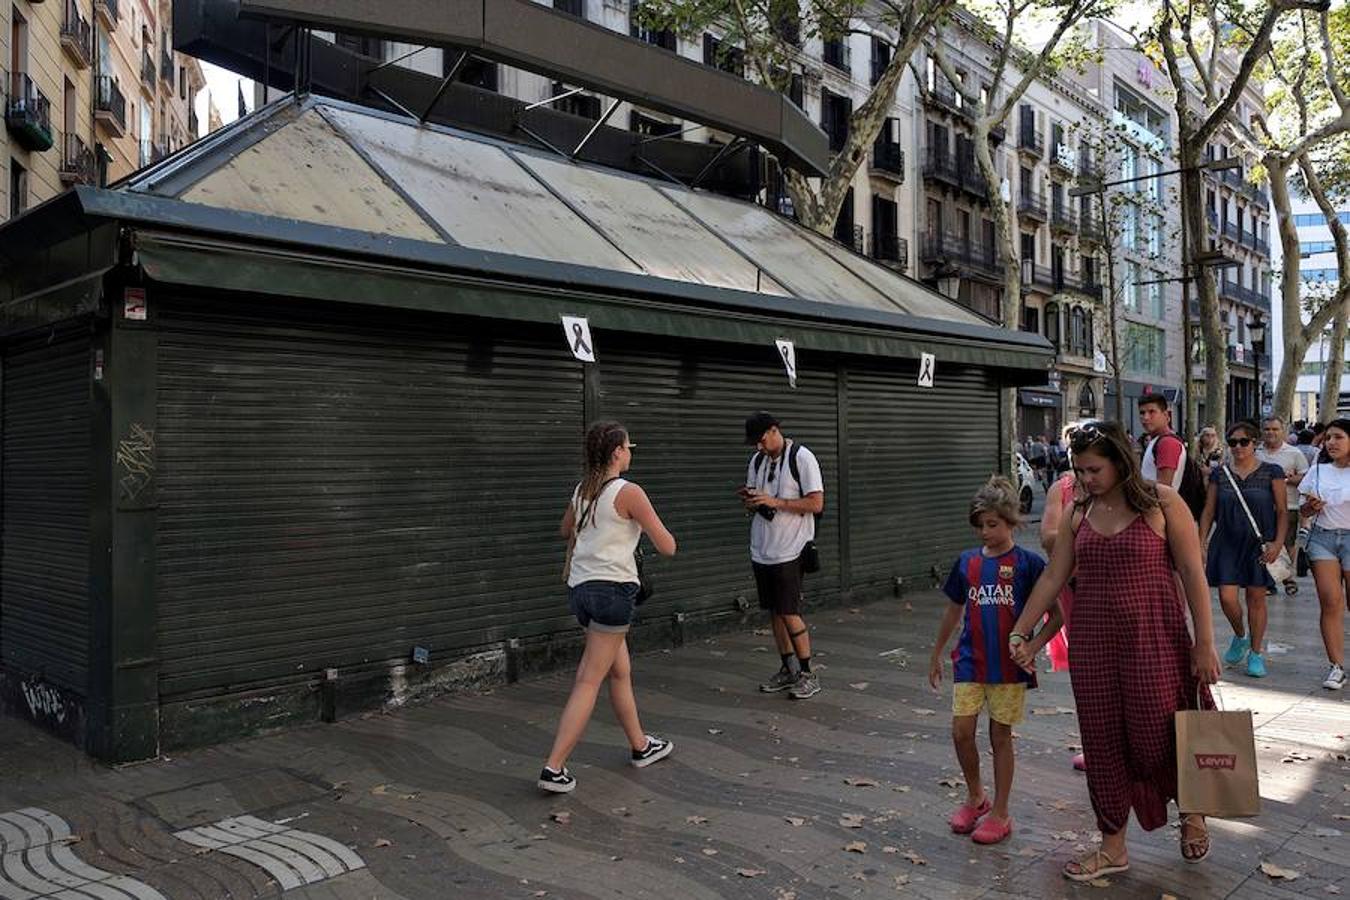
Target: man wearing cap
783 492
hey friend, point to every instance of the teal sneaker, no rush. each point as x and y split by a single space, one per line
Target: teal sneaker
1236 651
1256 665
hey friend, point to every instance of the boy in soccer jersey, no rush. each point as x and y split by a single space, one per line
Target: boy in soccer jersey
988 587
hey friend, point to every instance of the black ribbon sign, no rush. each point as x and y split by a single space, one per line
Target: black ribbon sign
577 332
579 345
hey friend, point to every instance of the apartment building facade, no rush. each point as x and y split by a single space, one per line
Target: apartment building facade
93 91
1320 279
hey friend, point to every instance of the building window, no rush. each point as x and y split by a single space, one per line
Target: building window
1145 349
1087 401
720 56
476 71
585 105
881 58
650 126
1052 324
1077 332
571 7
1031 319
835 111
18 188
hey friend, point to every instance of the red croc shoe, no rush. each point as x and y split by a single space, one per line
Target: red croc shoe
991 831
966 816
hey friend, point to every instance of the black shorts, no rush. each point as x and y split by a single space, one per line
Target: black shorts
780 587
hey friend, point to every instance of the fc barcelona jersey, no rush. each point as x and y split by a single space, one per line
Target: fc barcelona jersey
994 591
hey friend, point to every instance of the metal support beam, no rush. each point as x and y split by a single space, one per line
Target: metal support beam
440 91
596 127
539 39
726 151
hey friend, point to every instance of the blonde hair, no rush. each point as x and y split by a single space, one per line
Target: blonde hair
997 496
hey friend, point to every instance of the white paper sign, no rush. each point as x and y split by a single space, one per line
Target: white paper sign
577 331
927 366
789 354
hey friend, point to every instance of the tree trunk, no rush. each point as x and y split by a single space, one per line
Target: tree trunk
1005 234
1331 386
1113 311
1193 220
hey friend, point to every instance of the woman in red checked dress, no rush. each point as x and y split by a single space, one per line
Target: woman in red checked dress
1131 658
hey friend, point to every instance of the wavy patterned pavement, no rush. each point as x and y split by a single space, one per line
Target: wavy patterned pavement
759 800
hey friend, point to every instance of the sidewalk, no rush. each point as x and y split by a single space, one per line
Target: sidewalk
758 800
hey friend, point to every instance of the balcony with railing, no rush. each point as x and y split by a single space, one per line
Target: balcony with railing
1093 289
194 125
973 181
1063 280
77 36
942 95
1231 290
149 72
940 165
110 106
78 165
1089 169
1062 218
106 12
1246 356
888 160
892 250
1038 277
961 253
838 55
1090 229
854 237
571 7
1213 218
1232 232
28 114
166 67
1030 141
1031 205
1062 156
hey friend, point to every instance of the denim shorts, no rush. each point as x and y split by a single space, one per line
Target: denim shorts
604 605
1330 543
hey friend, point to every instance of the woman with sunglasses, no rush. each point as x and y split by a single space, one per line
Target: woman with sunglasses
1132 661
1326 497
603 523
1235 557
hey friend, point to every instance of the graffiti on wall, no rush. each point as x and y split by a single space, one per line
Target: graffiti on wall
44 701
136 461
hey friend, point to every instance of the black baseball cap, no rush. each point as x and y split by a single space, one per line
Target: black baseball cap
757 424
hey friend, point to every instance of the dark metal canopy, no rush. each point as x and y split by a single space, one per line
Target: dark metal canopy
541 39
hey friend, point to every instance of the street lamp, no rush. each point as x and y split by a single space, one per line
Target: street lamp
1257 329
1213 165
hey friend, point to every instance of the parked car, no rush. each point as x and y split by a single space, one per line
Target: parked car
1026 477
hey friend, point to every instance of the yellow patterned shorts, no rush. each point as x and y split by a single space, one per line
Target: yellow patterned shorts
1006 702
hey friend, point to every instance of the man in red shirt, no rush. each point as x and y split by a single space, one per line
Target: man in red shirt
1164 453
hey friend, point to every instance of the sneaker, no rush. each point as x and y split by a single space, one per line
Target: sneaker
1335 679
655 749
808 685
1256 665
782 680
1237 650
557 782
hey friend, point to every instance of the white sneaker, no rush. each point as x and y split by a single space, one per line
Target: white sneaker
1335 679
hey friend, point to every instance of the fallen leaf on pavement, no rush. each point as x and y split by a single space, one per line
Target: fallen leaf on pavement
851 820
562 817
1100 882
749 873
855 847
696 820
72 839
1065 835
714 731
921 711
860 685
794 821
1275 871
890 849
902 788
621 811
709 851
383 842
1332 889
951 781
1326 832
859 782
380 789
914 858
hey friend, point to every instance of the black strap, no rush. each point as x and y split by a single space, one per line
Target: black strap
581 523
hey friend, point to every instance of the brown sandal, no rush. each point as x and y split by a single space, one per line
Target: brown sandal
1093 866
1194 849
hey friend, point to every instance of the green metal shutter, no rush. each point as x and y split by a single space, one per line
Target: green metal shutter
45 467
917 456
338 486
685 405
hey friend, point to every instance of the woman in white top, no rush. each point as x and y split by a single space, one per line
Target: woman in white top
1326 495
605 518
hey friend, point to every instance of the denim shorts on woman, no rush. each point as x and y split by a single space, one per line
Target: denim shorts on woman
1330 543
604 605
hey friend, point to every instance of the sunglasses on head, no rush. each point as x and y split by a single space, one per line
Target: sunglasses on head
1084 436
1239 442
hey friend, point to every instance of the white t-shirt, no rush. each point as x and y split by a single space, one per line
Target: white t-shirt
1288 458
782 539
1331 484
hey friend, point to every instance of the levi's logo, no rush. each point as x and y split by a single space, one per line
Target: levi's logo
1216 760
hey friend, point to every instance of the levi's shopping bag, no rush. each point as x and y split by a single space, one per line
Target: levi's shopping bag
1216 763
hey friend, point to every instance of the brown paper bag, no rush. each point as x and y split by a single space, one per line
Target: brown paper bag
1216 764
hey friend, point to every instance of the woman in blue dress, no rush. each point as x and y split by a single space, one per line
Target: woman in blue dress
1234 556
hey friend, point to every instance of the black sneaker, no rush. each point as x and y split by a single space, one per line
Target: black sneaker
655 749
557 782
